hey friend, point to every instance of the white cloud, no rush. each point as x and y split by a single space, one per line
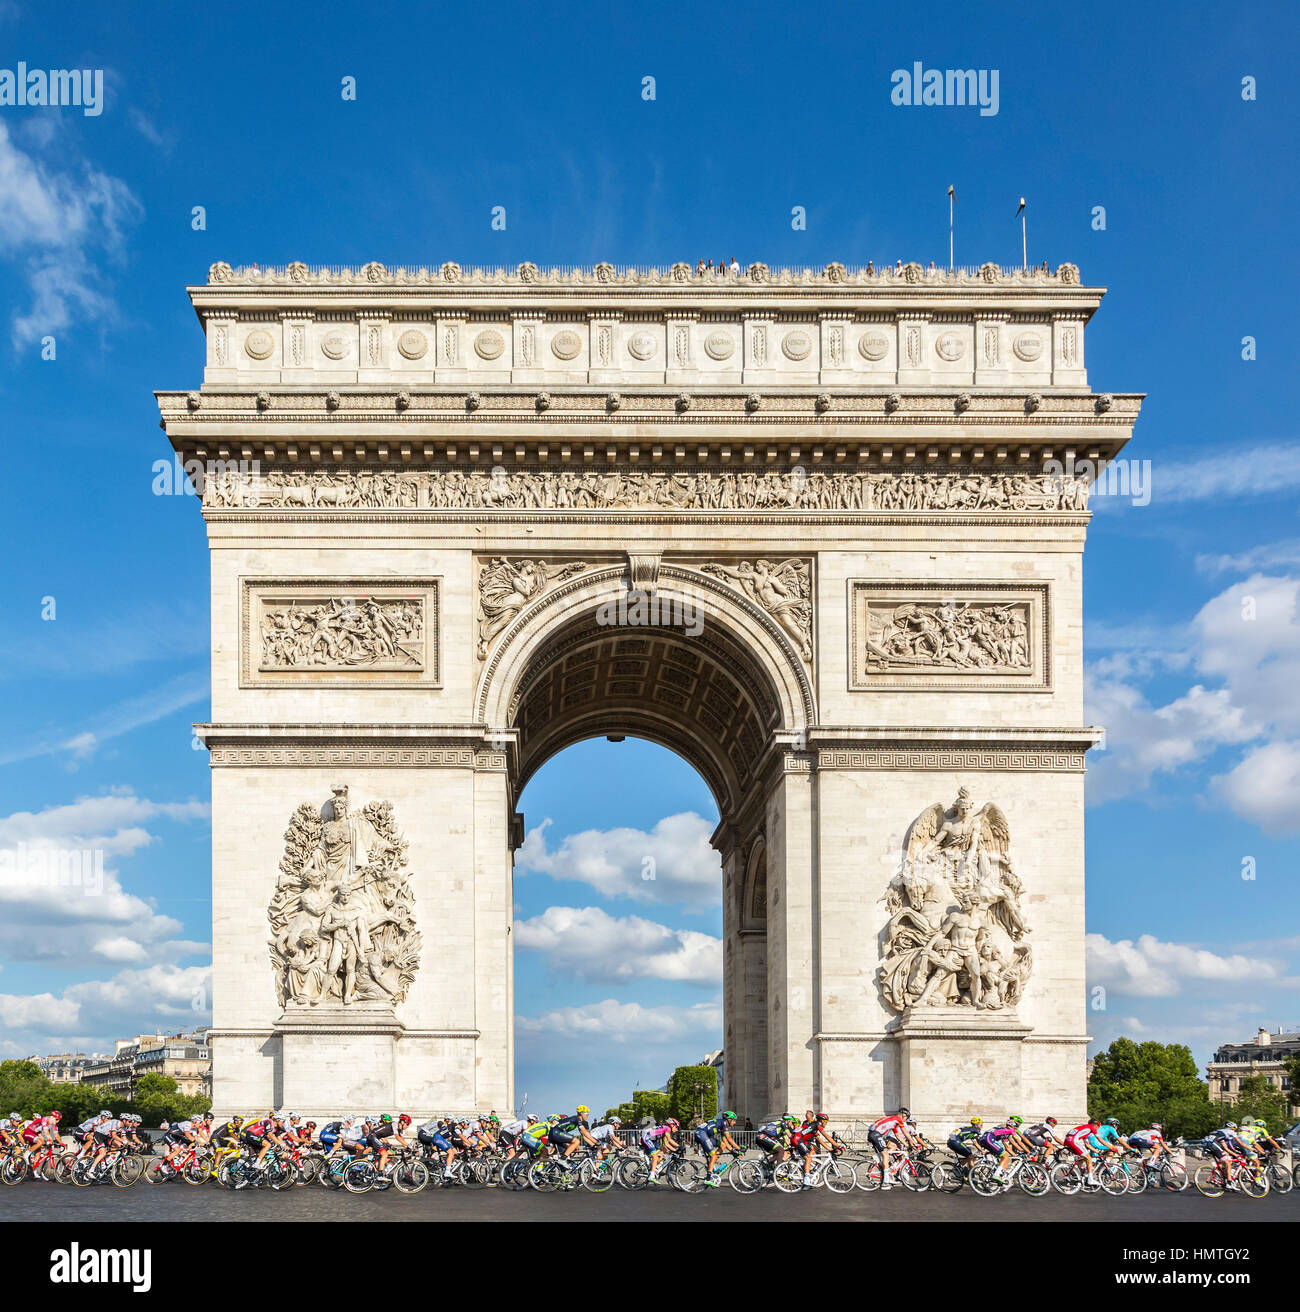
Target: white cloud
588 943
62 901
1269 556
1264 470
1149 968
90 1015
1264 788
672 863
1244 647
56 223
624 1022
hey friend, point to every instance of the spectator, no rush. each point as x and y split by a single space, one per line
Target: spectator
735 267
870 267
898 266
699 269
709 266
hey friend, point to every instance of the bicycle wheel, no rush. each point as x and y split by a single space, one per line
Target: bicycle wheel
358 1177
1253 1181
868 1174
597 1176
1066 1178
514 1173
946 1177
1173 1175
841 1178
331 1175
158 1171
983 1179
13 1170
126 1171
687 1175
788 1176
1032 1179
409 1177
633 1173
913 1175
1138 1178
1279 1179
747 1176
1209 1180
279 1174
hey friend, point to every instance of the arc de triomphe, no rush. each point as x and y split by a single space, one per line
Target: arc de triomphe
821 533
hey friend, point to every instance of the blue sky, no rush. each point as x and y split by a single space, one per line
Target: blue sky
758 108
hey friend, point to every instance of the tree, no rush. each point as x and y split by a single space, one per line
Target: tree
1144 1082
158 1098
652 1104
693 1093
24 1089
1261 1100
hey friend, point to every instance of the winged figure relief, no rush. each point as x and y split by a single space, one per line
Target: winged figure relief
956 929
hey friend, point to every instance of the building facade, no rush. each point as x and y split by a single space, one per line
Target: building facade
186 1058
819 532
1266 1054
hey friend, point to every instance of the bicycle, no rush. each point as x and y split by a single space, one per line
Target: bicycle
988 1180
824 1168
1215 1178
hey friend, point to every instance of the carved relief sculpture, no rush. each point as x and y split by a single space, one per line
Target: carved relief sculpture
566 489
506 586
343 633
782 588
956 934
951 635
343 913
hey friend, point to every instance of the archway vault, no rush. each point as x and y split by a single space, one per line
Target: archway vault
712 678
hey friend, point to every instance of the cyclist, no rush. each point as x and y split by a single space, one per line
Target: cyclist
1149 1143
510 1132
1261 1141
774 1137
568 1131
963 1136
713 1137
1108 1138
385 1130
606 1137
178 1136
657 1140
889 1131
1225 1145
1042 1135
1083 1142
107 1135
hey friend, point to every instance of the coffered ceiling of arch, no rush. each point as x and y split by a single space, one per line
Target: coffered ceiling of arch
700 696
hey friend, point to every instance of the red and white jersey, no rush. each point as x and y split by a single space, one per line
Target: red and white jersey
1079 1136
890 1126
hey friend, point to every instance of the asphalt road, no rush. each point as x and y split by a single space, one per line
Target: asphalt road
175 1201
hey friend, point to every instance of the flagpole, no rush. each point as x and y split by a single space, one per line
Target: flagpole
952 196
1024 240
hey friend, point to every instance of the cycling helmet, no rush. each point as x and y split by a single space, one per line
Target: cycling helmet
615 1120
207 1116
903 1111
1260 1125
403 1119
1231 1125
977 1120
493 1119
671 1124
104 1114
1049 1120
1112 1120
1015 1120
386 1119
1155 1125
164 1125
236 1120
15 1116
530 1119
56 1116
822 1118
731 1116
583 1110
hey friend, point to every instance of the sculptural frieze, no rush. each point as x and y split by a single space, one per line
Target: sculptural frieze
506 586
343 912
343 633
956 935
640 489
947 635
783 588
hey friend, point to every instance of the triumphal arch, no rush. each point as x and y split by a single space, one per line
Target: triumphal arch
819 532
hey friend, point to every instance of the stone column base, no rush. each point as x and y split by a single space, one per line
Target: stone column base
955 1062
336 1059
